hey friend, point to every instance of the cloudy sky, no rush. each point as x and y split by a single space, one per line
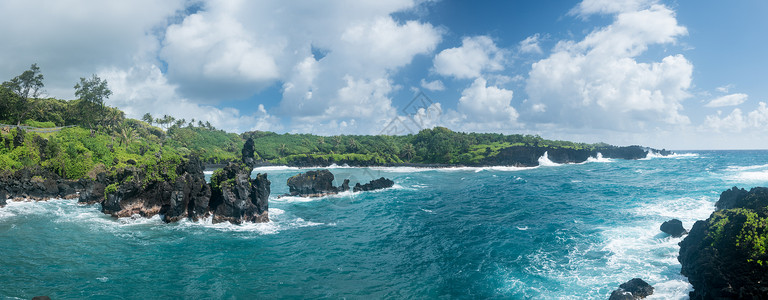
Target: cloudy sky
670 74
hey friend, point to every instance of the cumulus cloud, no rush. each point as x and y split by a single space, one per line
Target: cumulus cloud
143 88
737 121
728 100
530 44
476 55
598 83
74 38
435 85
480 103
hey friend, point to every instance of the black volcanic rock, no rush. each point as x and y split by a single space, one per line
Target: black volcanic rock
376 184
236 198
186 195
725 257
344 186
312 184
673 227
3 197
247 153
633 289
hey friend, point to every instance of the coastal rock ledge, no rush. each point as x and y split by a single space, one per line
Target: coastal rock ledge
320 183
725 256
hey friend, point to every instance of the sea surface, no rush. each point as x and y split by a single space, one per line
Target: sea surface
573 231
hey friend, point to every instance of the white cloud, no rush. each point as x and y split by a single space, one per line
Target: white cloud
74 38
530 44
480 103
589 7
725 88
597 82
435 85
143 88
737 121
476 55
728 100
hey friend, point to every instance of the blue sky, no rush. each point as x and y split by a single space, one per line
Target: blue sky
667 74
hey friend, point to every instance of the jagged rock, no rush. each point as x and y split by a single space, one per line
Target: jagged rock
729 198
3 197
724 257
633 289
312 184
673 227
187 195
376 184
344 186
236 198
93 190
247 153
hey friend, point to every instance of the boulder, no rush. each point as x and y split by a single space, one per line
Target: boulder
3 197
312 184
344 186
673 227
633 289
236 198
724 257
376 184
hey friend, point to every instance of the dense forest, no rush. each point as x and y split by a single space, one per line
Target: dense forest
101 138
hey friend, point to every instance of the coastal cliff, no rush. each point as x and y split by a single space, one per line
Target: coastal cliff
725 256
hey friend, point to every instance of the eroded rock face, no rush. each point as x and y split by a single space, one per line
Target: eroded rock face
724 256
37 184
312 184
376 184
187 195
633 289
673 227
236 198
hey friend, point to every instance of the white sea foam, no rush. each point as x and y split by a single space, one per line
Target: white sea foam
273 168
652 154
299 199
208 172
599 158
752 176
544 161
279 221
745 168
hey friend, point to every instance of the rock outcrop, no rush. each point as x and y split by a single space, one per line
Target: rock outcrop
724 257
37 184
184 195
673 227
633 289
312 184
320 183
236 198
376 184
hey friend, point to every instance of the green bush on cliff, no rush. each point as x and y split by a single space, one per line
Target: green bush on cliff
742 228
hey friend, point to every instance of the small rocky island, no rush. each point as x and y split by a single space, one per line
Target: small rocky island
320 183
726 256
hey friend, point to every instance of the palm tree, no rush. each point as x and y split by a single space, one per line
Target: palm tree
282 149
407 152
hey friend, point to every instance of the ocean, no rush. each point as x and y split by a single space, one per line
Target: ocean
572 231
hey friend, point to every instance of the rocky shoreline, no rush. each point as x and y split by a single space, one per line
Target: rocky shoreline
725 256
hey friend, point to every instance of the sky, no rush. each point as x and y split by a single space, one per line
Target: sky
667 74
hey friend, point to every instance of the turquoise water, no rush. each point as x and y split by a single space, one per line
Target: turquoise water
554 232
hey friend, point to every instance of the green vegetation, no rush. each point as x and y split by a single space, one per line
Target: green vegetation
752 228
105 141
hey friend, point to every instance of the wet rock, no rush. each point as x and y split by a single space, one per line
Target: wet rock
236 198
633 289
376 184
312 184
673 227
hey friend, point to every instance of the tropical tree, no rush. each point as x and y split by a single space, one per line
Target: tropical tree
92 92
26 86
148 118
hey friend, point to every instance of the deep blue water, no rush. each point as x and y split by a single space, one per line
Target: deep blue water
554 232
